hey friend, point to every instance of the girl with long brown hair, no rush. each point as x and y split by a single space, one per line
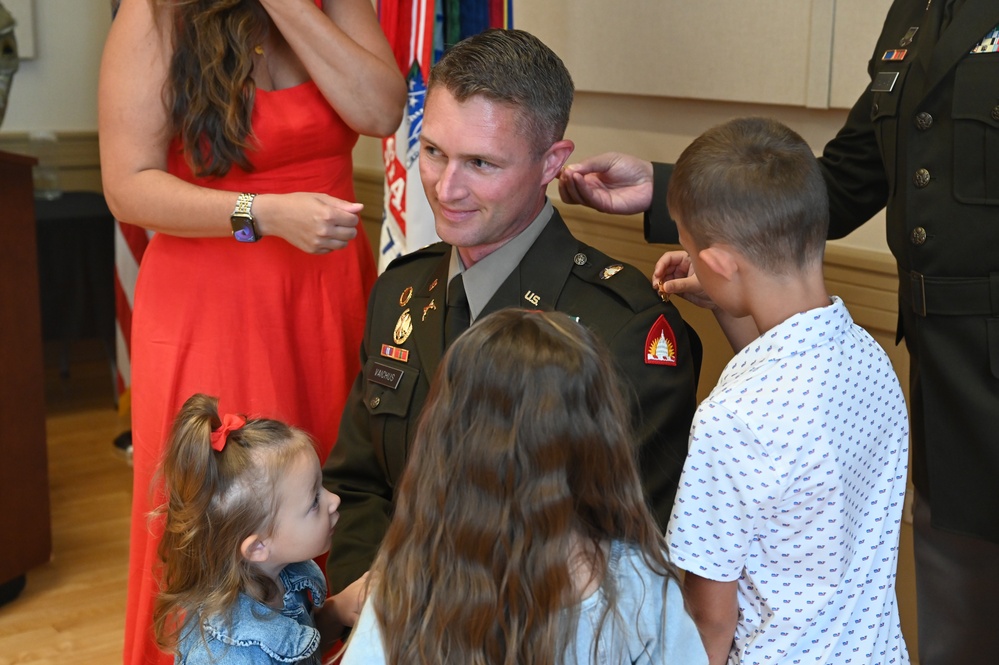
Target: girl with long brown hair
521 534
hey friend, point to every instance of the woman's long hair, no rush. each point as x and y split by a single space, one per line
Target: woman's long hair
522 451
210 91
214 501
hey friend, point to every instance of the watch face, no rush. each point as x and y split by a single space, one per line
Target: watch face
245 234
242 230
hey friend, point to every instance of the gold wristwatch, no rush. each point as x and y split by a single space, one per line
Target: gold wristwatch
243 228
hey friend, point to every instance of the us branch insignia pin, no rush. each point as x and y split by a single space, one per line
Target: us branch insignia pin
660 345
403 327
610 271
407 293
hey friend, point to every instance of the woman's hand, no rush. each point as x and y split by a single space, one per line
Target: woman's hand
314 223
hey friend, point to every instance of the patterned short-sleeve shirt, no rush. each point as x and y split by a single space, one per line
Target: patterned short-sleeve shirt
794 485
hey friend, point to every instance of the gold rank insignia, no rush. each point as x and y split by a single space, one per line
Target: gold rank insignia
433 284
403 327
407 293
610 271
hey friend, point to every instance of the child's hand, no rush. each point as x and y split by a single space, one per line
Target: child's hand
340 612
674 273
329 626
347 604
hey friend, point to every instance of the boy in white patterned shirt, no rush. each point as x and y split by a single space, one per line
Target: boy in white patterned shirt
788 513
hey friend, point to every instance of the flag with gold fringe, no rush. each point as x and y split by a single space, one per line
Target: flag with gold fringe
419 31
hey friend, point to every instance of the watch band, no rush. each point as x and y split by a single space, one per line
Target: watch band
244 206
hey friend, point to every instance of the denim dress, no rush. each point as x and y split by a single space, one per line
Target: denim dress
259 634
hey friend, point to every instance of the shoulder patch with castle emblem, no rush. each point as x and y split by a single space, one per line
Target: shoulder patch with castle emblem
660 345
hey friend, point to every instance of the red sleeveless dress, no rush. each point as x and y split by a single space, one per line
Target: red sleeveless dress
270 330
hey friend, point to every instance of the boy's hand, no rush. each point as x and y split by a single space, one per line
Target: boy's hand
674 273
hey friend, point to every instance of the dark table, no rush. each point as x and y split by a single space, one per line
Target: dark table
76 271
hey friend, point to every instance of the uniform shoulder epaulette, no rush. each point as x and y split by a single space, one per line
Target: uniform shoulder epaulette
623 279
436 249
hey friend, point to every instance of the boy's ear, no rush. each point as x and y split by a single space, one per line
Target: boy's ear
721 260
255 549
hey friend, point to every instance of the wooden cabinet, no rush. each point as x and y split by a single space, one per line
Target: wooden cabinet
25 527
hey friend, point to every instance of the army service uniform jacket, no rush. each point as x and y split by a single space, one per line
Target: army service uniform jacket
558 273
923 140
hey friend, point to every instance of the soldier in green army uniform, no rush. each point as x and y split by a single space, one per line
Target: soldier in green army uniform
492 139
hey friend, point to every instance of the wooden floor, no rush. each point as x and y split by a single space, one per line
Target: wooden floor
72 609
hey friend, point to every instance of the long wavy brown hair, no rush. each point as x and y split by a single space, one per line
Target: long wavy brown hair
210 89
214 501
522 453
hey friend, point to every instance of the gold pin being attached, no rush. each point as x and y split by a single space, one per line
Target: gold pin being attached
407 293
403 327
661 289
427 309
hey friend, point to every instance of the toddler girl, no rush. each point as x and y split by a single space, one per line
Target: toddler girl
245 514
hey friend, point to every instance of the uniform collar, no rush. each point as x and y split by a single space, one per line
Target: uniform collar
483 279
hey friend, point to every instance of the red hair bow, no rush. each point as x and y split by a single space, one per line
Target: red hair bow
230 423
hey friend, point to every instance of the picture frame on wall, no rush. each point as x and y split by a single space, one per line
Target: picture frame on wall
23 12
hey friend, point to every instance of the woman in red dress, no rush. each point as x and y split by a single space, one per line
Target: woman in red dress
227 127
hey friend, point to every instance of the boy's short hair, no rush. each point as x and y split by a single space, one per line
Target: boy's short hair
511 67
755 185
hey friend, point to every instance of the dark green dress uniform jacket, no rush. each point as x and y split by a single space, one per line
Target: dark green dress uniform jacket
558 272
923 140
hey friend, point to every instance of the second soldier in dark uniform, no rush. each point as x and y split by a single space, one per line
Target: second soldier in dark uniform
492 139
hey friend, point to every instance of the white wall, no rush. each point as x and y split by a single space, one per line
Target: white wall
57 90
